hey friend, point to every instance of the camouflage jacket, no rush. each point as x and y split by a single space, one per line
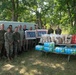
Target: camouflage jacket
8 37
16 36
2 32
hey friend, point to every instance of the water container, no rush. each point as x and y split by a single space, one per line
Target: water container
73 41
49 44
59 50
47 49
70 51
74 51
39 47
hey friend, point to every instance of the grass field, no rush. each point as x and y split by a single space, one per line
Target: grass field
34 63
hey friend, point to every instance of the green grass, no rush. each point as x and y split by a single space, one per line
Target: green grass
34 63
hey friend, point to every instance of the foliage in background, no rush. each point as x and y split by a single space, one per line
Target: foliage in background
42 12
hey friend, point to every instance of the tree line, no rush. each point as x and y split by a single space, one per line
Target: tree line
55 12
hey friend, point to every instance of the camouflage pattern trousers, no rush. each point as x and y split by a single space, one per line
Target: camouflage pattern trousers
9 49
17 48
1 47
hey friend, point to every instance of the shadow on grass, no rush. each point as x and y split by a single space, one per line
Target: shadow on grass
33 63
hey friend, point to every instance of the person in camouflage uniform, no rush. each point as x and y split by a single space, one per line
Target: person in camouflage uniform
10 26
50 30
8 36
20 30
1 41
0 27
2 31
58 30
24 38
16 37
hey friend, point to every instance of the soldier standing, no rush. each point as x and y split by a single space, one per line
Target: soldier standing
58 30
0 27
20 30
24 38
1 42
16 37
8 36
35 27
50 31
11 28
25 28
2 32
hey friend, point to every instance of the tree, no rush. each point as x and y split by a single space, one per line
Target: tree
11 9
55 12
70 8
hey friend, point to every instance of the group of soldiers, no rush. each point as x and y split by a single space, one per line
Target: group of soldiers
12 42
57 30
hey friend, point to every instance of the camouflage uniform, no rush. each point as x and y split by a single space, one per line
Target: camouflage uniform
50 31
1 39
58 31
9 43
16 37
11 31
21 37
24 42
